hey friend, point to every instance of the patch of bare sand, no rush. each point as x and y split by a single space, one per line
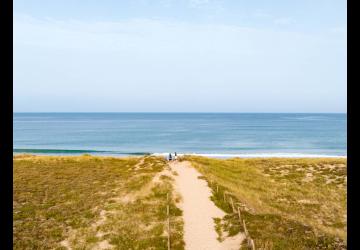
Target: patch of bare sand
139 164
66 244
103 245
145 190
199 211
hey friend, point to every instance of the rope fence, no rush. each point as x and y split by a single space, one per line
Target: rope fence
237 210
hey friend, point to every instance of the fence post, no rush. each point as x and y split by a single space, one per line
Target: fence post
249 242
245 230
232 204
168 219
252 243
238 210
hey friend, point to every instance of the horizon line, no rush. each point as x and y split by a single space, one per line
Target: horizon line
179 112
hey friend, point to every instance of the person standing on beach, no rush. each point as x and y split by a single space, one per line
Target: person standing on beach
175 156
170 157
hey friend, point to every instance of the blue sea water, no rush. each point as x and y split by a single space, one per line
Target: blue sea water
211 134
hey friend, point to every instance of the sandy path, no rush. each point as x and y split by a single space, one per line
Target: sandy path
199 211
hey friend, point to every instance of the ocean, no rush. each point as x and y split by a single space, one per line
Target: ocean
208 134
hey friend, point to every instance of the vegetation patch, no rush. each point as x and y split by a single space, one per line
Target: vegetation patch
88 202
283 207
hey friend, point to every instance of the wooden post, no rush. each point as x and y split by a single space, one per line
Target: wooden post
252 244
245 230
168 220
238 209
232 204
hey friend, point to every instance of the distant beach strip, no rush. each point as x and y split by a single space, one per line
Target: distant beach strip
164 154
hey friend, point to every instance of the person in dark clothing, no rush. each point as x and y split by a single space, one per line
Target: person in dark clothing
170 157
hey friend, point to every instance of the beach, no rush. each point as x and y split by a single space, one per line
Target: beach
102 202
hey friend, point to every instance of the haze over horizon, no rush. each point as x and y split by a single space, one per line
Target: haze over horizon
180 56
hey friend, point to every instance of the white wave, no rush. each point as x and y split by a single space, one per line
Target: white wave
257 155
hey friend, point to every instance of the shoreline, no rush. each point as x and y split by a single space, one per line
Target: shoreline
214 156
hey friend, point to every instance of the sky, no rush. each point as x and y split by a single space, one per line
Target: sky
180 56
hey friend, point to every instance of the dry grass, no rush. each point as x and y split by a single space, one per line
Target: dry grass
291 203
86 202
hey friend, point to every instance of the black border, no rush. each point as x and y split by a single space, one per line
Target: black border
6 121
352 128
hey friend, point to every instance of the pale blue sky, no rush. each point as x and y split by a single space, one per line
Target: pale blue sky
180 56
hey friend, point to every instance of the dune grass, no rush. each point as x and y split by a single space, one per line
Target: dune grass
289 203
88 202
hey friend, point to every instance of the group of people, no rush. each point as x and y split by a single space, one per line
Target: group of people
172 157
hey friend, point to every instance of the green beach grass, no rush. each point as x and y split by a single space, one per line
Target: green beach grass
289 203
88 202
